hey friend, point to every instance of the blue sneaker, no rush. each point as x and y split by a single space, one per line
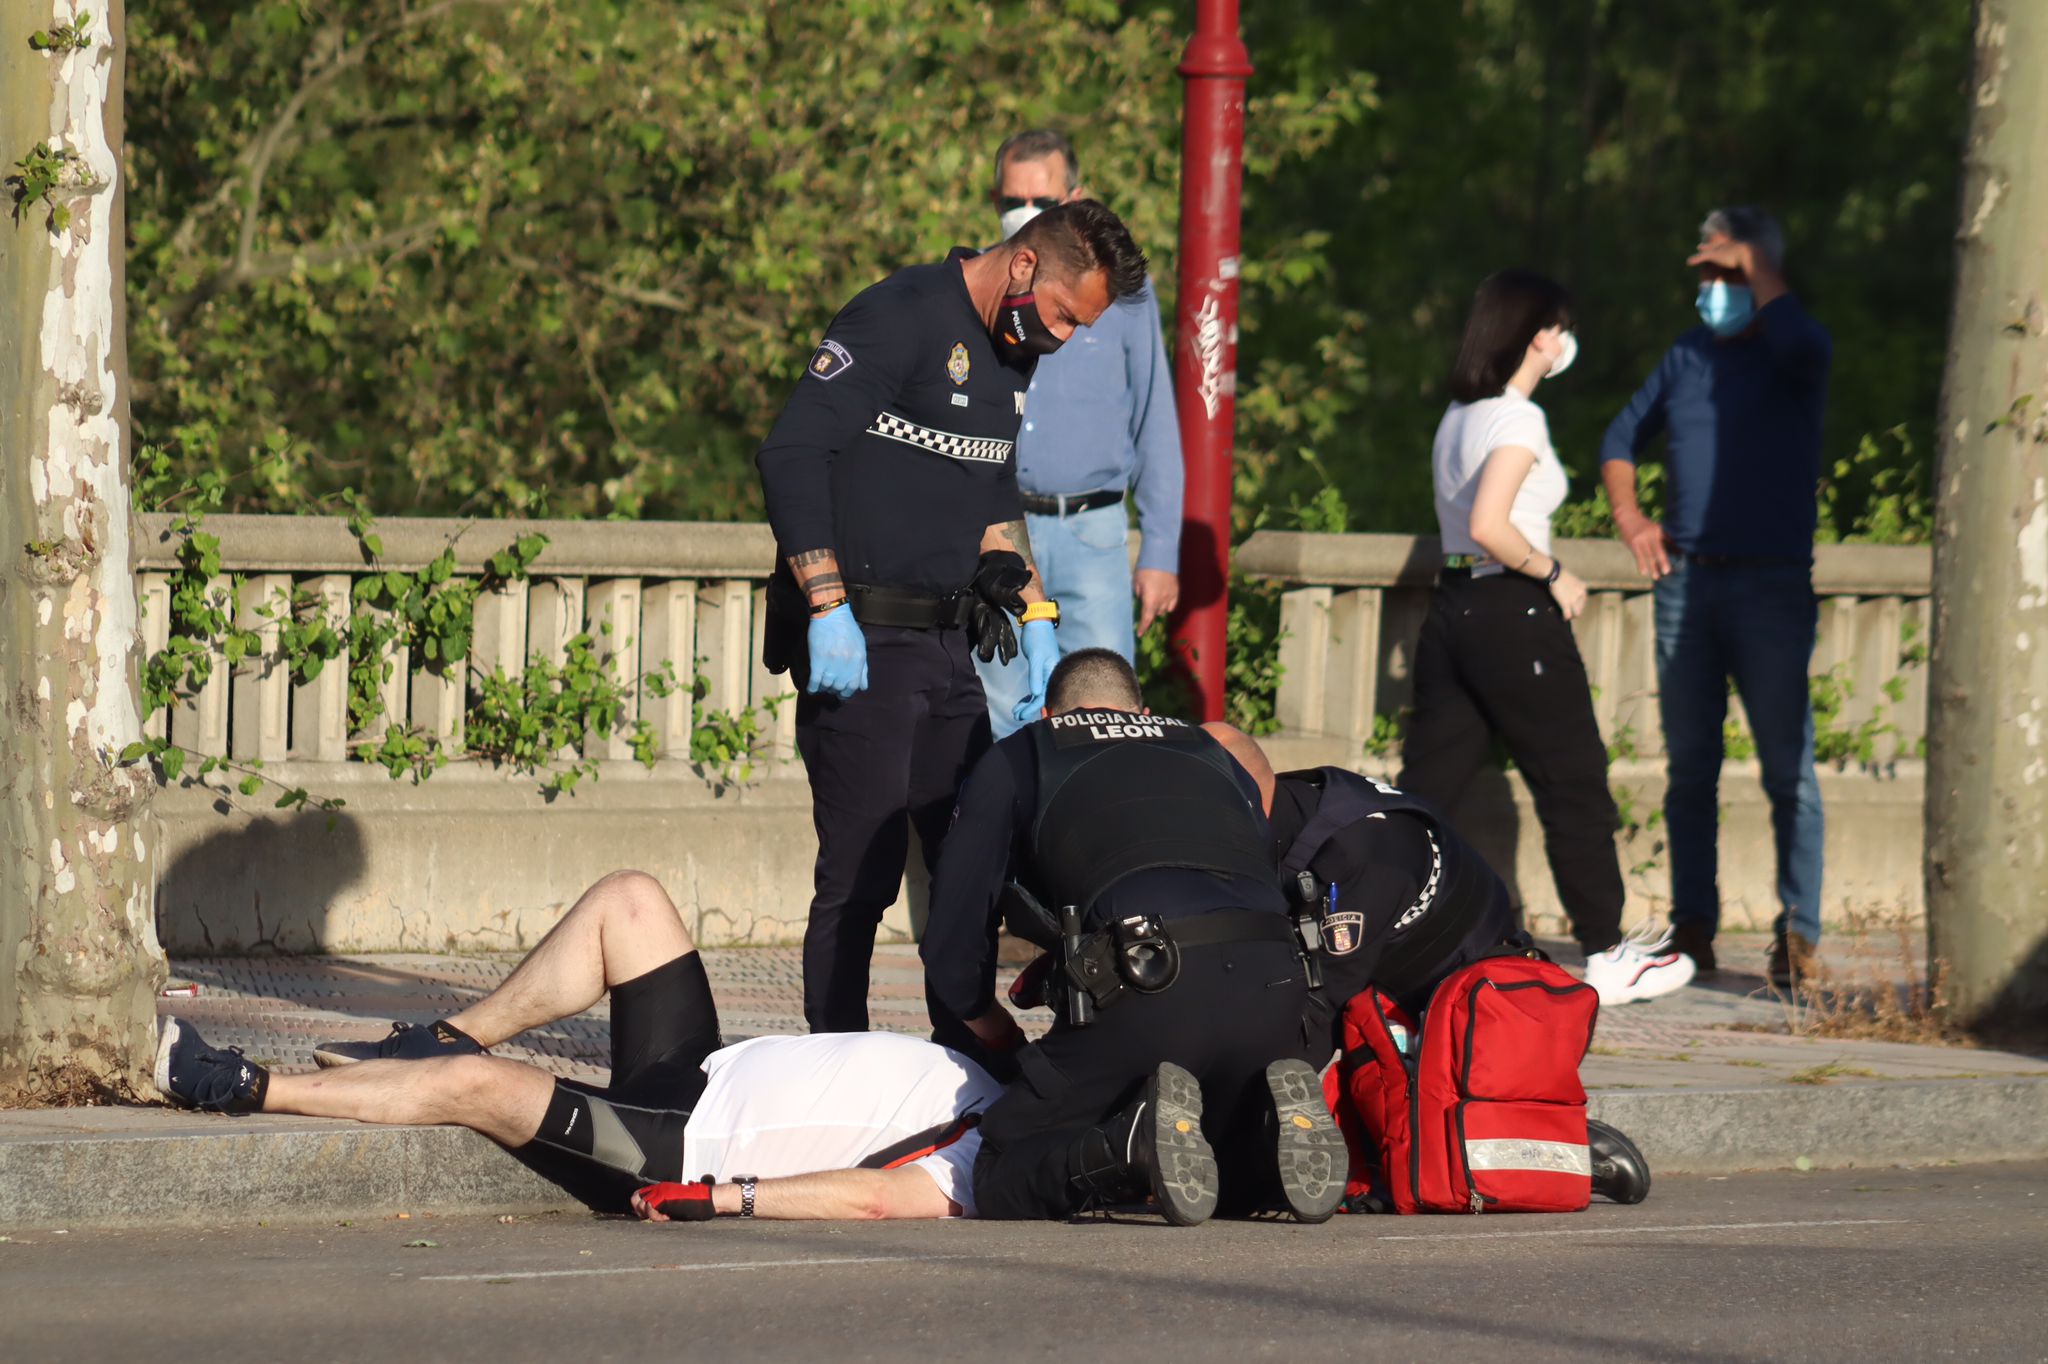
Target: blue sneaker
406 1042
203 1077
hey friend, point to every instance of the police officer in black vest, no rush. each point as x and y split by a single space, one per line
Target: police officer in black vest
891 484
1398 898
1172 1071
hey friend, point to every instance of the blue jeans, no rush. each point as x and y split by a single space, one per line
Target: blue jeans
1085 560
1754 623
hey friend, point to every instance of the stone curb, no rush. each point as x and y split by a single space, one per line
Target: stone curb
151 1168
1910 1122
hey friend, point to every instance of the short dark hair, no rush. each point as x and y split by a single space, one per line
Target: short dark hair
1035 145
1097 677
1748 223
1083 237
1508 310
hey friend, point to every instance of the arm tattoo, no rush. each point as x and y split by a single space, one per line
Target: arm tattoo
824 582
809 557
1020 540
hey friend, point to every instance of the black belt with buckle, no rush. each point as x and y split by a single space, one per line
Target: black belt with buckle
909 610
1066 504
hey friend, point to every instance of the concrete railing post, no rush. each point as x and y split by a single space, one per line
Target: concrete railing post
614 623
153 601
200 721
259 725
320 707
668 616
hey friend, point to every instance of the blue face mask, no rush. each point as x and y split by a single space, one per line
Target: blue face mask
1727 308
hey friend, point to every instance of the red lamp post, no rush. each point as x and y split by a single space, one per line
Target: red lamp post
1214 66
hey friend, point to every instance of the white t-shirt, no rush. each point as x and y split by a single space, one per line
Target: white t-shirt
794 1105
1469 433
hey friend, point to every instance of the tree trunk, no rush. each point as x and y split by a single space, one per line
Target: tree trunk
1987 779
78 949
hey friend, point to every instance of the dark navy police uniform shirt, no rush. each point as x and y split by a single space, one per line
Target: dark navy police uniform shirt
1744 417
990 844
897 449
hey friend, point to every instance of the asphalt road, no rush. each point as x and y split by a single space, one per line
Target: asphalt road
1863 1265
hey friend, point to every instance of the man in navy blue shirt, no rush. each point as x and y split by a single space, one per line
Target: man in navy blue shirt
1099 426
1741 399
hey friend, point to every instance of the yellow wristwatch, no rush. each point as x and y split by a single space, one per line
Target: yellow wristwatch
1041 610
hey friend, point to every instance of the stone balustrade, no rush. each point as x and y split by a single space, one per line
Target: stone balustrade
1354 604
646 592
1352 607
480 857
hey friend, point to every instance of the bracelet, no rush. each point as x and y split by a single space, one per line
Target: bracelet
746 1183
1556 567
822 607
1525 559
1041 610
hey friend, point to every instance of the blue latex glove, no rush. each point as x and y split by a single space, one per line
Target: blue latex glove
839 653
1041 656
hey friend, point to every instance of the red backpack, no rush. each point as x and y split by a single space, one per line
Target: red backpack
1483 1110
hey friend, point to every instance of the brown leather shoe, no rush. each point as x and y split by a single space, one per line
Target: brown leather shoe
1696 940
1792 958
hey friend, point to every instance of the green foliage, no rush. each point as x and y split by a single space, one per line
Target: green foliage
536 722
1880 493
727 743
38 177
1387 733
75 36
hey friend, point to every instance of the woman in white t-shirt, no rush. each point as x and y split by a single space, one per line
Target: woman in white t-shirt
1497 661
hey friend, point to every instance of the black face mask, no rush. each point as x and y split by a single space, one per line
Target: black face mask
1020 332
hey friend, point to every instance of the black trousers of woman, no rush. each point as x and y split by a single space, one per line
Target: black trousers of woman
1497 660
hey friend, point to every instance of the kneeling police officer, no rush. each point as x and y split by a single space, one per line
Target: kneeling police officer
1173 1070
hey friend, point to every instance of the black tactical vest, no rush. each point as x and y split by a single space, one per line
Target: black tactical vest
1469 898
1120 792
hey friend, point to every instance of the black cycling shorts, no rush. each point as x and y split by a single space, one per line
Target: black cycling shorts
603 1143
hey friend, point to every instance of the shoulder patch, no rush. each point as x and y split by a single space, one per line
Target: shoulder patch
831 361
957 363
1343 933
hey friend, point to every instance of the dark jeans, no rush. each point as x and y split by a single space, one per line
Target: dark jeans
880 761
1497 659
1754 623
1236 1008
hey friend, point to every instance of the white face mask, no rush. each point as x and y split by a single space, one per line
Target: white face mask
1569 343
1016 218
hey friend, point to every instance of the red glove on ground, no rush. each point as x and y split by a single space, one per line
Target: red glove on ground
681 1202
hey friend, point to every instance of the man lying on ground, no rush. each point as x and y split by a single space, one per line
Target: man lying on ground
827 1127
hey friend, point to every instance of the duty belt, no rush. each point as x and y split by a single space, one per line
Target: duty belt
1090 966
909 610
1066 504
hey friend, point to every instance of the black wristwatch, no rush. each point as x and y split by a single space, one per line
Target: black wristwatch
1556 567
746 1183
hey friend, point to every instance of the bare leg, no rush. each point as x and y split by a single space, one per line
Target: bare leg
505 1100
623 927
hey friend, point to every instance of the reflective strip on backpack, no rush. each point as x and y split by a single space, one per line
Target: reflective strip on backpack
1518 1153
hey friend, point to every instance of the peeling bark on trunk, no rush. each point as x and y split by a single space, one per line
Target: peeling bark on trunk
78 945
1987 778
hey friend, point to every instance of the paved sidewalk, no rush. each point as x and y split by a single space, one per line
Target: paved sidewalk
1709 1080
1732 1031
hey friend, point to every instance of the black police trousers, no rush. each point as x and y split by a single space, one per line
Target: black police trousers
1235 1008
884 759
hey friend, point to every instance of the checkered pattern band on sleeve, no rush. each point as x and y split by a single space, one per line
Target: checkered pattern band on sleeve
973 448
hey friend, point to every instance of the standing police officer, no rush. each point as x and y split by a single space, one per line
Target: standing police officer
1149 838
891 484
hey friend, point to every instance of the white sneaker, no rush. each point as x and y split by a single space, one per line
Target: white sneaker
1638 967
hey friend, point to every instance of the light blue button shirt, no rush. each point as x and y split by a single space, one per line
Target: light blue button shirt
1099 414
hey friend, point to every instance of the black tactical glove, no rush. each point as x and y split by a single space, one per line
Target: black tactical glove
999 584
